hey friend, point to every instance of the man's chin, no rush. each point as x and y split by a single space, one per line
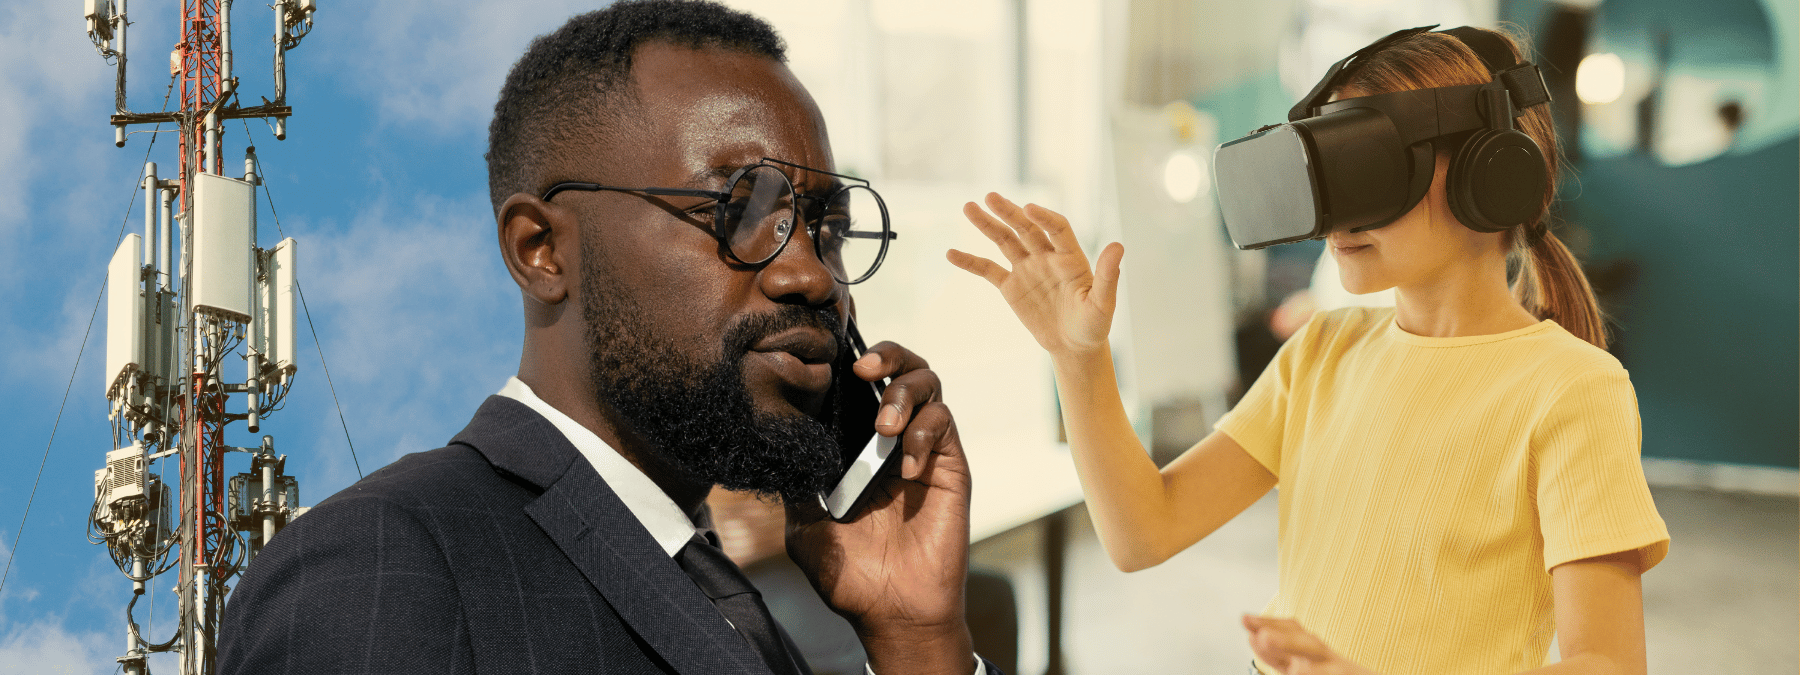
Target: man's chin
795 412
784 454
775 399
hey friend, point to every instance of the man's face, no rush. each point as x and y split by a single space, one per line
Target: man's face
725 369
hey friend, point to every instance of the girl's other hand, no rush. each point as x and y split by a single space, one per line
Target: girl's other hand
1066 305
1290 648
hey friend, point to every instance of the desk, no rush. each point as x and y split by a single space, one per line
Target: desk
1022 485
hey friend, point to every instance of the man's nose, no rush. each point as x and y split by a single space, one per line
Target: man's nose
797 275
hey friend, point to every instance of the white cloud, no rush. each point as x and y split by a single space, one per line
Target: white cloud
46 647
439 65
43 354
45 643
419 323
65 187
50 65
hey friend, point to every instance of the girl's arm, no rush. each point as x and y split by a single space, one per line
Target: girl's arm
1599 615
1599 626
1143 516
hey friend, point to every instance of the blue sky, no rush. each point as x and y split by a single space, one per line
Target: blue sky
380 179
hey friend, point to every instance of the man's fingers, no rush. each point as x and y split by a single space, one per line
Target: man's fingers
904 394
1001 234
1031 236
933 430
979 266
887 359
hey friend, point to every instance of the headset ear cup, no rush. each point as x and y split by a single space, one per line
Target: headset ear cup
1497 180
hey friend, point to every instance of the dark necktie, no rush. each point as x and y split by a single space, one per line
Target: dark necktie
739 601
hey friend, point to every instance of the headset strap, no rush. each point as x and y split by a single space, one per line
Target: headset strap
1322 90
1523 81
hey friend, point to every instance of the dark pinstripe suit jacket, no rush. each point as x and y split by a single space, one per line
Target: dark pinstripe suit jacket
503 552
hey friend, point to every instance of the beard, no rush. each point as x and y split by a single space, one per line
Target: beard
697 415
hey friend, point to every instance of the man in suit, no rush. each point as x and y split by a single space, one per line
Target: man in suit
646 163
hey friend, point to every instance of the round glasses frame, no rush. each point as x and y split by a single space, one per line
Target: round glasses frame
723 199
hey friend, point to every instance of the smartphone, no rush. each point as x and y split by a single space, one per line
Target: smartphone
865 455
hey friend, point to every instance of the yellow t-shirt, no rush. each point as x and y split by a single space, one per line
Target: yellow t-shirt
1428 485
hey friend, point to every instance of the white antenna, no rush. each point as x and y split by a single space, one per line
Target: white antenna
184 298
124 320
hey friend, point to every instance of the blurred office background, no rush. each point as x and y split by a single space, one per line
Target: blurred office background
1679 120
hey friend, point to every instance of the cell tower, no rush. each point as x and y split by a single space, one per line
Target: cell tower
183 299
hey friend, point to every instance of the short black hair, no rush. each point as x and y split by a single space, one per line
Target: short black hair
577 78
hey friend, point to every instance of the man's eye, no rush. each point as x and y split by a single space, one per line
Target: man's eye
729 210
831 231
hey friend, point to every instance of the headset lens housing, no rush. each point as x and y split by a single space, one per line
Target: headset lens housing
1265 187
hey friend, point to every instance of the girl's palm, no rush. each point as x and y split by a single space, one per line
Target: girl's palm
1066 305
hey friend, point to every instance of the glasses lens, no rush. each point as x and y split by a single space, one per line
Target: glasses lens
760 216
853 235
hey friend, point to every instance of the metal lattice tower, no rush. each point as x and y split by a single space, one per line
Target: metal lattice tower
193 294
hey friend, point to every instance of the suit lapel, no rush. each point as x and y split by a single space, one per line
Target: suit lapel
594 529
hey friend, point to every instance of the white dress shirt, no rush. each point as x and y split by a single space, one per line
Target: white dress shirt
668 525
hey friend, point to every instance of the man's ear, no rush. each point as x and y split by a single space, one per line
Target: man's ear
539 244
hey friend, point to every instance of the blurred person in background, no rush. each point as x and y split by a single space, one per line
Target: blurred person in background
1460 473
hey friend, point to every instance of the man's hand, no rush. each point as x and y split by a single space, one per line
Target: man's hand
1290 648
897 571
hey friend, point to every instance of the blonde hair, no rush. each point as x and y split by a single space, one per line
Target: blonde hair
1550 283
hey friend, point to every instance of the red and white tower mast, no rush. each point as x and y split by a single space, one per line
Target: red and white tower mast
194 289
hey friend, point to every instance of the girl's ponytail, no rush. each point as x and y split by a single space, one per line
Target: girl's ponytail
1552 286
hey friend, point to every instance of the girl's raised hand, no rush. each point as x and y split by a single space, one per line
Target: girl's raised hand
1066 305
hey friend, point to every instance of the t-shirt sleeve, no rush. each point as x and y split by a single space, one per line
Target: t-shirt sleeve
1260 418
1591 496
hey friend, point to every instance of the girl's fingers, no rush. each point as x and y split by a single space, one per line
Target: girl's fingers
1283 639
1106 276
979 266
1055 227
1031 236
997 232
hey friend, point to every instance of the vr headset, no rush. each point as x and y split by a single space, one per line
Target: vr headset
1358 164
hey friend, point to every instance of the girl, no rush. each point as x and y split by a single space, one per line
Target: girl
1459 474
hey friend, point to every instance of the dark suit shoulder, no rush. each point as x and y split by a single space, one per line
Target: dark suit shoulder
429 564
431 479
340 588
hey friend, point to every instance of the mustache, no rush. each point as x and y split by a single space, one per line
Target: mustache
748 331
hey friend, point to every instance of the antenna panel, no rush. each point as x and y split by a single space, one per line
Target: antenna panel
281 328
224 226
124 314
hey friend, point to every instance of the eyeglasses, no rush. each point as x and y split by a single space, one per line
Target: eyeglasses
754 217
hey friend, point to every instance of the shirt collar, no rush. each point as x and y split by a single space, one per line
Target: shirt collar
668 525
